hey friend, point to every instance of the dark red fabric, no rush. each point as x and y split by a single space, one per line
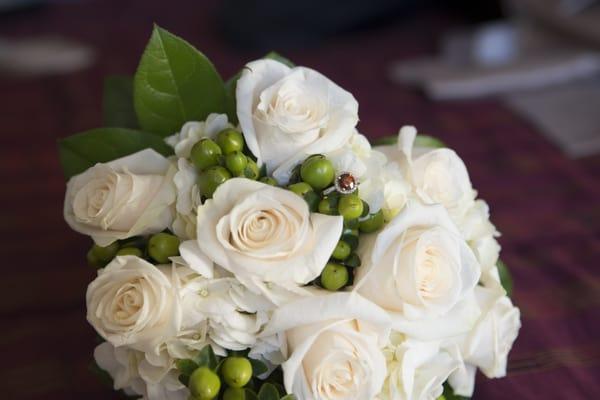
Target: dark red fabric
546 206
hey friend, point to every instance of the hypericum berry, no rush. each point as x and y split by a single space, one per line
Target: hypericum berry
210 179
328 206
350 206
99 255
372 223
230 140
162 246
236 371
342 251
334 276
300 188
318 172
130 251
204 384
251 171
205 154
233 393
236 162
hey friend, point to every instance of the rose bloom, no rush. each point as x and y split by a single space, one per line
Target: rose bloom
126 197
288 113
416 370
134 303
266 237
420 270
487 344
334 346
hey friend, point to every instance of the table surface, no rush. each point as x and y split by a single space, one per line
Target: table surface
545 205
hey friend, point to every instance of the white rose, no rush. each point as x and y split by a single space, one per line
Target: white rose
420 270
192 132
289 113
438 176
334 344
132 372
133 302
188 199
266 237
234 314
123 198
416 370
487 345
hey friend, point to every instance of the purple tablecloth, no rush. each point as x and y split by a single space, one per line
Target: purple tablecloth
546 206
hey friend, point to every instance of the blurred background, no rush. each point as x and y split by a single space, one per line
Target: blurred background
512 86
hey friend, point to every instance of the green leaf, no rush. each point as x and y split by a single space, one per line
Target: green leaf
420 141
273 55
449 394
83 150
186 367
117 102
428 141
505 277
250 394
258 367
289 397
268 392
353 261
175 83
207 358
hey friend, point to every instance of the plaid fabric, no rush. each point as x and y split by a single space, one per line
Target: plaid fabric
546 206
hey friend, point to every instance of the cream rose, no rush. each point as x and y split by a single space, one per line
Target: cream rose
289 113
438 176
416 370
131 371
266 237
123 198
333 343
420 270
487 345
135 303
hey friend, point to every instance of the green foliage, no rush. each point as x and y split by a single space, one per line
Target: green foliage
117 102
82 151
505 277
258 367
449 394
268 392
175 83
420 141
207 358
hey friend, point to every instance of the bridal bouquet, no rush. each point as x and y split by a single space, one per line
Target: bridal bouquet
252 244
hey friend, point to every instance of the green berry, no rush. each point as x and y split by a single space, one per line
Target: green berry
204 384
130 251
342 251
162 246
234 394
251 171
104 254
205 154
350 206
209 180
328 206
372 223
236 162
334 276
268 180
318 172
230 141
236 371
300 188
